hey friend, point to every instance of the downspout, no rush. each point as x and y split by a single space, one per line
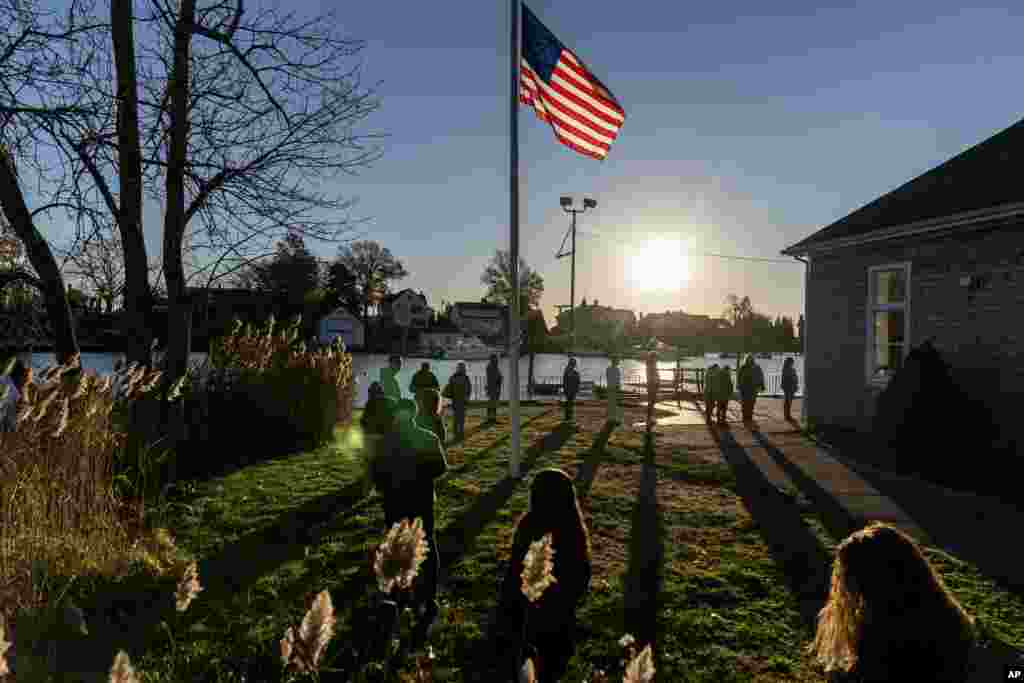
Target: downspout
807 293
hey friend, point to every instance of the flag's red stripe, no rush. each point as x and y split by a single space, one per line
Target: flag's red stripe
571 145
581 134
575 99
570 117
585 75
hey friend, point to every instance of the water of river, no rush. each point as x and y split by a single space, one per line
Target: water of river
547 368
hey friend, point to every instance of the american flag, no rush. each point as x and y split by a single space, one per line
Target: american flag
583 113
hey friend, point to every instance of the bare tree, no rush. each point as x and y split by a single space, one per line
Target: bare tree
244 115
97 265
372 268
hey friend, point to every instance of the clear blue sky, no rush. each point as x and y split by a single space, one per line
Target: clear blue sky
749 126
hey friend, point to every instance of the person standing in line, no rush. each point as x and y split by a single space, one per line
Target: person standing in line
389 377
613 384
11 391
377 419
494 380
790 385
750 382
423 379
724 393
571 386
411 459
458 391
428 414
653 385
710 392
547 630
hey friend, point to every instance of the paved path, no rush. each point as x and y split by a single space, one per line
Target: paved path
850 494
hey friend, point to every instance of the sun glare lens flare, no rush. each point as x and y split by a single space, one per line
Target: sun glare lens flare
659 265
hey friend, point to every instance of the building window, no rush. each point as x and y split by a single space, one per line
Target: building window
888 320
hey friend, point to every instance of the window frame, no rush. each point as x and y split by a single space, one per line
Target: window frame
869 322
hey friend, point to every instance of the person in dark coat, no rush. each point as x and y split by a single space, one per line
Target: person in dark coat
458 390
790 385
571 387
724 393
653 386
428 414
422 380
550 633
750 382
409 461
710 391
378 417
494 379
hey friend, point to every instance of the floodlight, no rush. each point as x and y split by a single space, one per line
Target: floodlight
565 202
589 203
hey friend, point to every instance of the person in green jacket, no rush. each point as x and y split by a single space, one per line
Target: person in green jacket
723 393
710 393
389 377
458 390
411 458
378 417
423 379
750 382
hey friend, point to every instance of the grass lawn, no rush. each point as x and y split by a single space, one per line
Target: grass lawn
677 556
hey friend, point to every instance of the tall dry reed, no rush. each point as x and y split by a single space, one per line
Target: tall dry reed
57 502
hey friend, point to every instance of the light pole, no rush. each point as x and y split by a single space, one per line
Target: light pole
567 206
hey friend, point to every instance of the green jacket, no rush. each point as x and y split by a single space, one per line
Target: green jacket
389 382
423 379
724 385
409 460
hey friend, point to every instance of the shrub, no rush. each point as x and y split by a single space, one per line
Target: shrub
262 391
60 507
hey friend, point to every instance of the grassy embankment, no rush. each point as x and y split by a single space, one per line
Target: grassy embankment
677 552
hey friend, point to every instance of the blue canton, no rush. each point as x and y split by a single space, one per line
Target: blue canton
540 48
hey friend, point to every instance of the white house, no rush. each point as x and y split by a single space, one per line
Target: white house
345 324
408 302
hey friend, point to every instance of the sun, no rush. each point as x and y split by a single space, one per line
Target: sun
659 265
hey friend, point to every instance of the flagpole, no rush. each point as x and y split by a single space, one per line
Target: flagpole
513 328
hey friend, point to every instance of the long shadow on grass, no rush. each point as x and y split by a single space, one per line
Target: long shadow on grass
459 536
646 554
795 548
587 471
954 528
836 519
479 455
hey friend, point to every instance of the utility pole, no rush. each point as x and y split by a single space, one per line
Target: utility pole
567 204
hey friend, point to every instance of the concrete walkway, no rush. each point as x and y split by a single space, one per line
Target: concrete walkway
849 494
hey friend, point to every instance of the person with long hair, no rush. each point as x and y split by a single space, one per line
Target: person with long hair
549 637
889 617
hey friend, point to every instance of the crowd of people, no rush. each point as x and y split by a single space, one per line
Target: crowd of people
887 617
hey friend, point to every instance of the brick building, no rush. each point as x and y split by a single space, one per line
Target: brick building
940 258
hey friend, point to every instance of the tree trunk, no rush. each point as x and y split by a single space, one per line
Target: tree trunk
179 306
39 255
138 301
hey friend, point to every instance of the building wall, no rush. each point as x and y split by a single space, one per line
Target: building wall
349 328
978 329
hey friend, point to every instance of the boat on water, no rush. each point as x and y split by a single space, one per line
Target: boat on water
468 350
